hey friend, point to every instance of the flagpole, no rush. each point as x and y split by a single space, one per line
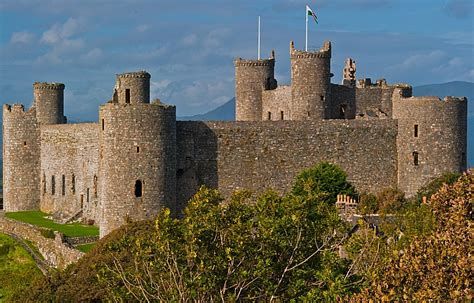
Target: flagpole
306 40
258 38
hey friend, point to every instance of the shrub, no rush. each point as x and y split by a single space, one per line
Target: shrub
47 233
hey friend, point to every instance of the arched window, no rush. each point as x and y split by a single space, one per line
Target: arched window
138 189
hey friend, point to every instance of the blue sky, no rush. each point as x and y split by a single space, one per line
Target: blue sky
189 46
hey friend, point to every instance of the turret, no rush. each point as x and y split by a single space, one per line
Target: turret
132 88
432 137
251 78
49 102
21 157
310 83
137 156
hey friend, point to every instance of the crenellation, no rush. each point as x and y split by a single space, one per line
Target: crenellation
138 159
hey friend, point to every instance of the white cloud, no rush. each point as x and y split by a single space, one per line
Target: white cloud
60 32
22 37
142 28
190 39
93 54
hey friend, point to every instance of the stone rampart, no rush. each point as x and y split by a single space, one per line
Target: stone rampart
276 103
260 155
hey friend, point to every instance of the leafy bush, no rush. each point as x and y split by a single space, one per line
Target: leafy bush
47 233
368 204
325 180
432 187
391 200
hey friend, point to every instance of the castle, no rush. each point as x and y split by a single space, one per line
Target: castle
138 158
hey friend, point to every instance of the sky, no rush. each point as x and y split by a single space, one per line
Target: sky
189 46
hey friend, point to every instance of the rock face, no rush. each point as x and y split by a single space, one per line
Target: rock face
138 159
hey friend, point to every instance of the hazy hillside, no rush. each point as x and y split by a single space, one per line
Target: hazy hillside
455 88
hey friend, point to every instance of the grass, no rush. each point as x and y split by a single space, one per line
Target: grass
17 269
85 247
38 218
34 248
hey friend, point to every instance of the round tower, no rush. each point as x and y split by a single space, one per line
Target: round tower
49 102
132 88
137 161
21 159
432 137
310 83
251 78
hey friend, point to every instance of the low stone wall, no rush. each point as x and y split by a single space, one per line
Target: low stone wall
81 240
55 252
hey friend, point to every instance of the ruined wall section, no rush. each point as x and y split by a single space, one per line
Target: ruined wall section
21 156
137 162
252 155
69 170
310 81
276 103
49 102
432 138
374 100
251 78
343 102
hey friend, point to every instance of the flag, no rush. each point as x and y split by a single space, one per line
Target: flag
310 12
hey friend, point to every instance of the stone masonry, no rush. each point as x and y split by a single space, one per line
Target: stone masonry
138 158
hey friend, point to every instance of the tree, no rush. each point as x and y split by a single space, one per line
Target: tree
432 266
433 186
276 248
325 180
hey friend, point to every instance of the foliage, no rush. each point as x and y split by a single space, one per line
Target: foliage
391 200
40 219
368 204
432 187
325 180
79 283
17 269
434 265
275 248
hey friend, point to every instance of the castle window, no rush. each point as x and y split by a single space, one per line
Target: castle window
269 115
63 188
44 183
322 97
415 158
82 201
416 131
88 195
73 184
309 114
342 112
127 95
53 186
95 186
138 189
24 143
282 116
103 124
138 149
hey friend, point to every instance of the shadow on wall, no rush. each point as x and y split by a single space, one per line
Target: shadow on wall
196 160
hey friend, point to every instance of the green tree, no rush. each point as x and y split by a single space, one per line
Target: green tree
433 186
325 180
276 248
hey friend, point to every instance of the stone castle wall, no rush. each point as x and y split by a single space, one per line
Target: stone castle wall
49 102
21 161
259 155
70 156
276 103
137 161
438 144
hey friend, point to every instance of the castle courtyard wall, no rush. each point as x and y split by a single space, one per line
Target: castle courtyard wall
262 155
276 103
70 153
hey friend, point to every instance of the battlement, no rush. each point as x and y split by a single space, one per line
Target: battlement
139 74
324 52
16 109
256 62
46 85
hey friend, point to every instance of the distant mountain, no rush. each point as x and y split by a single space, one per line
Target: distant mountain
226 112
